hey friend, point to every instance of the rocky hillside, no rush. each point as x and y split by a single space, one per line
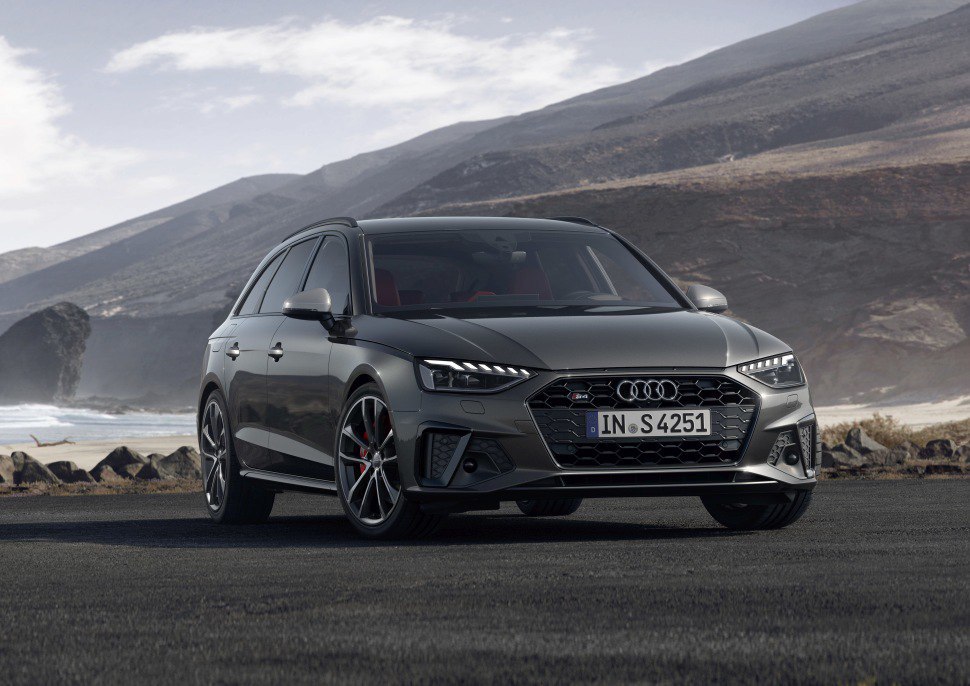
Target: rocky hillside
164 276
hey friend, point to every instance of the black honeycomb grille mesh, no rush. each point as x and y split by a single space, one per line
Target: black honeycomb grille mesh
562 422
442 448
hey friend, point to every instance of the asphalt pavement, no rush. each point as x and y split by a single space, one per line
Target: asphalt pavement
872 585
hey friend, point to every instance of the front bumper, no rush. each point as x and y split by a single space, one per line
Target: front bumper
488 426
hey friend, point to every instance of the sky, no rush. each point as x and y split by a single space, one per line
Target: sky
109 110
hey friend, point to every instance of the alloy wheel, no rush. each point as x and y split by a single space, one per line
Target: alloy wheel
215 455
367 461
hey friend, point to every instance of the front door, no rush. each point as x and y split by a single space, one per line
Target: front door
251 352
301 414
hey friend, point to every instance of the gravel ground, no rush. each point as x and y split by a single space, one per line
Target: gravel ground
871 585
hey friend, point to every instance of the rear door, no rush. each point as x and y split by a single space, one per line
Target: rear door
248 350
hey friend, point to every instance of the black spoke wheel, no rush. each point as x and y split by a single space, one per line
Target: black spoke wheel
367 459
213 443
229 498
369 479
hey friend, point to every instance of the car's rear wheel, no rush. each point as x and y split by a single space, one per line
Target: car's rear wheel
368 472
559 507
744 515
229 498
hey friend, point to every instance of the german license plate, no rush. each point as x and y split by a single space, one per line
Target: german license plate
647 423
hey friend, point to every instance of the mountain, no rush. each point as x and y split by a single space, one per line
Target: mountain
868 86
876 84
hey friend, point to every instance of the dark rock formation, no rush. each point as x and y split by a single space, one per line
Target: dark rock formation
153 471
40 356
6 470
843 455
939 449
184 463
104 474
70 473
859 441
27 470
123 461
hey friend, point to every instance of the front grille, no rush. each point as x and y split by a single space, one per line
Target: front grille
561 421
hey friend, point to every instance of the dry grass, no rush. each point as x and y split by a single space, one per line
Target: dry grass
135 486
888 431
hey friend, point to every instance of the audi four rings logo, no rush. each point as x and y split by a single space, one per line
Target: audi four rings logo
647 389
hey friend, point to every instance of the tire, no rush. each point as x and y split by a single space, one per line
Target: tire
743 516
238 501
367 472
549 508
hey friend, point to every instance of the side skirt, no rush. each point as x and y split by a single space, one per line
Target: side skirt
287 482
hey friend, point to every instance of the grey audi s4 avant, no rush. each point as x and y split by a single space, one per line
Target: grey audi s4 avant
424 366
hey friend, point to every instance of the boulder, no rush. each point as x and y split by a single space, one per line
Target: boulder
6 470
70 473
939 449
859 441
963 453
40 356
123 461
844 456
184 463
910 448
153 471
104 474
30 471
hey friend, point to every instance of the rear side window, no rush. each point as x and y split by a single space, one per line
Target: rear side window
330 270
287 279
251 303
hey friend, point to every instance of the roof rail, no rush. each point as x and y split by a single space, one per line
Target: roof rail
346 221
576 220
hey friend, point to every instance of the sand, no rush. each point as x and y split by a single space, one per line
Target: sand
86 454
915 415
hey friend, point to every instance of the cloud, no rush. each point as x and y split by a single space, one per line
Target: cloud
420 67
36 153
229 103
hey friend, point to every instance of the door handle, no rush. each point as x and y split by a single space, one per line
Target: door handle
276 352
233 352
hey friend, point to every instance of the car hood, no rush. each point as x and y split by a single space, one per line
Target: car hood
654 339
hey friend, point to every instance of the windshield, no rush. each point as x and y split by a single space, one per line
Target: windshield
493 268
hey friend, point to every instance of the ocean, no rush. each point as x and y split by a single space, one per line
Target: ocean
50 423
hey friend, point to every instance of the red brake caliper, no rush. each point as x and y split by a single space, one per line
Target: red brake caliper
363 453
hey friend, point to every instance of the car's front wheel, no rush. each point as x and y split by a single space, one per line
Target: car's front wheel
229 498
368 472
747 515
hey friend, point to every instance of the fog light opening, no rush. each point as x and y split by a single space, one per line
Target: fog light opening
470 465
792 457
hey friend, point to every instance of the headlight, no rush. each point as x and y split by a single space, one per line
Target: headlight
469 377
778 372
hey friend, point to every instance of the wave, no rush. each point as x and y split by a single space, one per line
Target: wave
49 422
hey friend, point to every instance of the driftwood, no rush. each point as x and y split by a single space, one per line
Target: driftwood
63 441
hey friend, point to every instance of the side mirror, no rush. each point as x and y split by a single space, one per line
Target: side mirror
706 298
313 304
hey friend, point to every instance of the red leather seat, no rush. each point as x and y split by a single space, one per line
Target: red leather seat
531 280
387 293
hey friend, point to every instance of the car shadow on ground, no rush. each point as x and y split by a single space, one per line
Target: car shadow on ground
333 531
